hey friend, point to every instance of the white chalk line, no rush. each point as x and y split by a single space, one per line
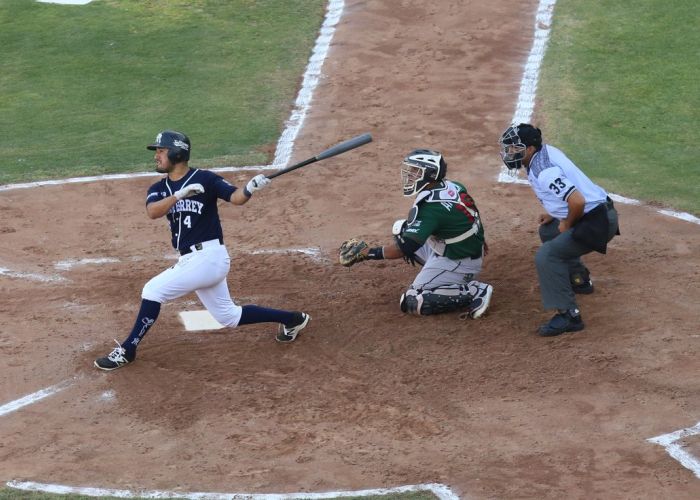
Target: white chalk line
31 276
313 252
285 144
65 265
439 490
306 251
528 91
33 397
528 85
676 450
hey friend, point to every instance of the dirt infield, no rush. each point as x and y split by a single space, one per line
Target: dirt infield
367 397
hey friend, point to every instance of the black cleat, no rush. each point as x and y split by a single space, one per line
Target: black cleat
115 359
569 321
287 333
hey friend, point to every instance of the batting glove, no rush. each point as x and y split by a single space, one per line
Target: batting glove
188 191
257 183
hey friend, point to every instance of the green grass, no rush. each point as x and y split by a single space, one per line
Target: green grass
83 89
619 94
7 494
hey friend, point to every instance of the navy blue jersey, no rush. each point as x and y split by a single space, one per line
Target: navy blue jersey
194 219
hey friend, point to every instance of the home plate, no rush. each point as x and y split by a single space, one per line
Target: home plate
199 320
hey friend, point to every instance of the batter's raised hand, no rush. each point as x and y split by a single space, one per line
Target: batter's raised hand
257 183
188 191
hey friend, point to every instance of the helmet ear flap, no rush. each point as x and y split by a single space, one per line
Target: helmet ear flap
442 170
177 155
174 156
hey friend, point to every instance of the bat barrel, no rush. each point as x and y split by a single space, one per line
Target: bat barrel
344 146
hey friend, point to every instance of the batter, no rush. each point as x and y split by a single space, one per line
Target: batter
188 198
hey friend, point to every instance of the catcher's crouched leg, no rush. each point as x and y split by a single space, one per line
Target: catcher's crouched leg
475 297
437 301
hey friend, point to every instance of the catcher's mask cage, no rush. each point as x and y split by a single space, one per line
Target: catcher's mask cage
420 168
515 140
177 144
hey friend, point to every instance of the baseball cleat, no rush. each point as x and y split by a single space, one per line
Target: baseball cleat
481 302
287 333
569 321
115 359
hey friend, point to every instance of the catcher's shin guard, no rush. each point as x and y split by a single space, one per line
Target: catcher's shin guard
437 301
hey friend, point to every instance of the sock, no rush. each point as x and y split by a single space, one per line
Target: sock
148 314
256 314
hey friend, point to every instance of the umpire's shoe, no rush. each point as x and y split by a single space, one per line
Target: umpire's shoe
115 359
287 333
569 321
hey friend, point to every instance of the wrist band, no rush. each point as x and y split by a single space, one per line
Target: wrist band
246 192
375 253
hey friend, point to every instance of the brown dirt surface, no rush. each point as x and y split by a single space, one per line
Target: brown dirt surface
366 397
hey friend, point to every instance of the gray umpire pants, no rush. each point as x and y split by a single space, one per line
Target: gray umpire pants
558 258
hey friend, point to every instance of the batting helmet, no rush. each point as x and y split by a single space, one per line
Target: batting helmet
420 168
177 144
515 140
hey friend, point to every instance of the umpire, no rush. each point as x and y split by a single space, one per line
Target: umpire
580 218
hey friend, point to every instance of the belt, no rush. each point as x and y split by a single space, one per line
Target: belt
202 245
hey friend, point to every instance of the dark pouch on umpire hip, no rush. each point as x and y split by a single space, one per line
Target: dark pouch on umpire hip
592 229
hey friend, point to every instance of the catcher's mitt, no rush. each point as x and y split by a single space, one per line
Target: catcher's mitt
351 252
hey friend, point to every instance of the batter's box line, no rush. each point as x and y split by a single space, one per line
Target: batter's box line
34 397
676 450
441 491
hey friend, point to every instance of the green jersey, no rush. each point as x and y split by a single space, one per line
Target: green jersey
447 219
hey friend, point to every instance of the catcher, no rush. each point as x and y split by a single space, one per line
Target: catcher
443 233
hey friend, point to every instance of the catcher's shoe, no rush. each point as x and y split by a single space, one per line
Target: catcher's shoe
569 321
287 333
480 303
115 359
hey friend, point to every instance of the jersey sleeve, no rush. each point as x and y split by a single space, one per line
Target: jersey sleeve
422 226
155 193
554 180
223 188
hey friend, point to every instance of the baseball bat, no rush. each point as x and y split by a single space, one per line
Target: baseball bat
344 146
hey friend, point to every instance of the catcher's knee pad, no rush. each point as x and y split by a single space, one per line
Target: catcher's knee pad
439 300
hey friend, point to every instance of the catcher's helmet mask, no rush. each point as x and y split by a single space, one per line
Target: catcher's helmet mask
515 140
177 144
420 168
